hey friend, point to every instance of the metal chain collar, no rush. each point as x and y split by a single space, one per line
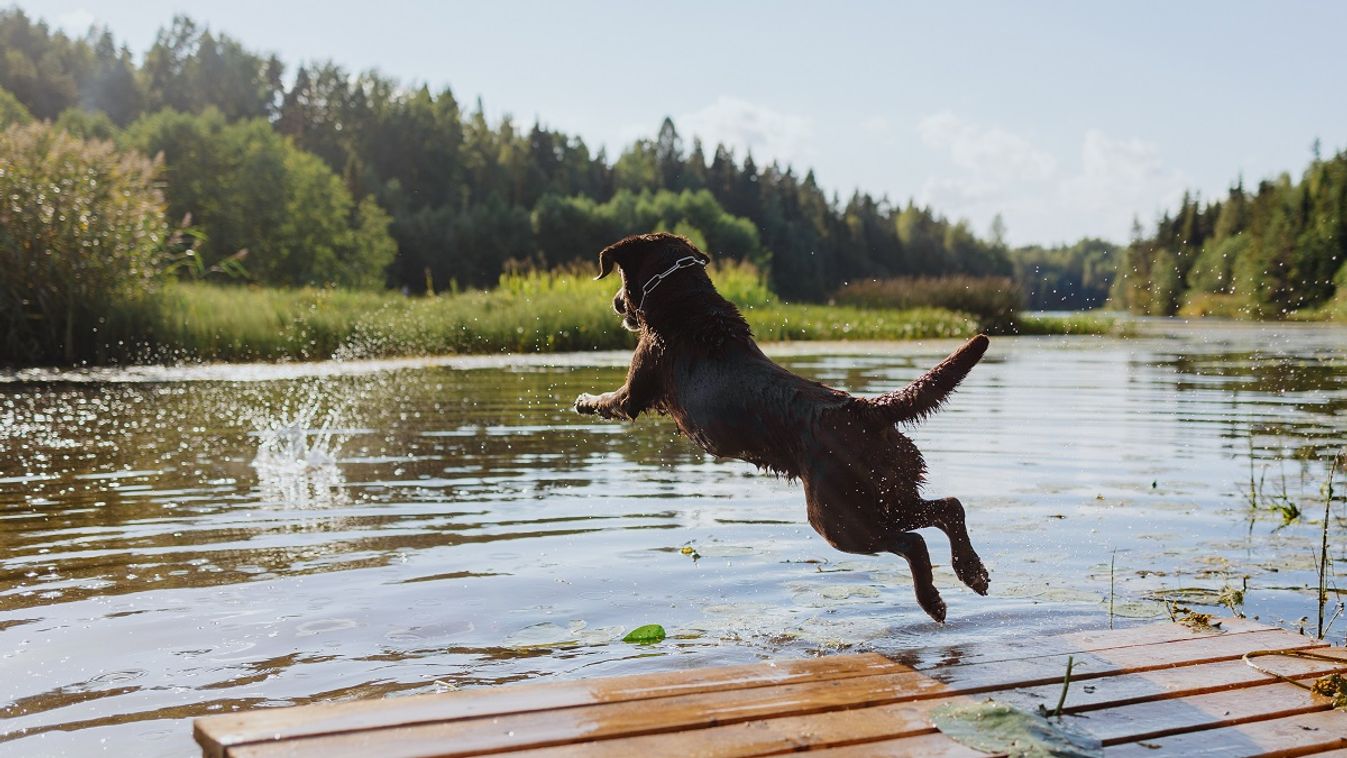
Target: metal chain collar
686 261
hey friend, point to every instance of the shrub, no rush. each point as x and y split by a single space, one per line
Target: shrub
12 111
993 300
1197 304
81 229
248 188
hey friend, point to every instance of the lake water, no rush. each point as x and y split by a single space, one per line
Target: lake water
182 542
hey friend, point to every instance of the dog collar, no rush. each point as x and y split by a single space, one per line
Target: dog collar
687 261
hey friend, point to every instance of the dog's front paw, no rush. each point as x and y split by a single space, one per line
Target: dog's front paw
930 601
587 404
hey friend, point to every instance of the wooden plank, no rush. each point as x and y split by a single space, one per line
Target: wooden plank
214 733
1161 718
1174 682
1096 639
792 733
926 746
1306 734
1294 735
784 734
218 732
677 713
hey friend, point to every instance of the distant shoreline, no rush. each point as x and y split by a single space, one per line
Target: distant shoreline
195 323
284 369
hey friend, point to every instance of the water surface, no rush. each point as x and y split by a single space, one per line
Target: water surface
176 542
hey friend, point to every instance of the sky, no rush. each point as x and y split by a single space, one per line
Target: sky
1069 119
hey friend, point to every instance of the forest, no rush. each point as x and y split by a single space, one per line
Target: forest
1275 251
325 176
246 170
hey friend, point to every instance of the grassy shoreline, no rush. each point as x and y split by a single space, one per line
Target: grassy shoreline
529 312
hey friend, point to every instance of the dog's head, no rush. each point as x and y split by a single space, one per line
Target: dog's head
640 259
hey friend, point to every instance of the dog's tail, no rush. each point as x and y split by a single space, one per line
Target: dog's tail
929 391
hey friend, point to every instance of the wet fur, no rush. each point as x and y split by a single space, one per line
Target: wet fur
696 360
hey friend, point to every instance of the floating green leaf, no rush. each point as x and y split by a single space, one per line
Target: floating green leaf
645 635
998 728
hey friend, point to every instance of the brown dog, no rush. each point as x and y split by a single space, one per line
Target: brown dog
696 360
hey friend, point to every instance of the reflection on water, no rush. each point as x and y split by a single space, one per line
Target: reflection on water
179 542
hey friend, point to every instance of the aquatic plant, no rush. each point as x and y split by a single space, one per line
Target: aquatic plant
1324 561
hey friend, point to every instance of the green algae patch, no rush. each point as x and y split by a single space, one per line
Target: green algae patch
998 728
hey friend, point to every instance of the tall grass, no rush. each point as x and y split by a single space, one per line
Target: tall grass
528 311
993 300
1081 322
787 322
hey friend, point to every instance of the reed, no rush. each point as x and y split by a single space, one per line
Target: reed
1323 562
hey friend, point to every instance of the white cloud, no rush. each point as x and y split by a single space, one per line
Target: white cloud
76 23
876 125
996 171
769 134
1121 178
988 152
960 192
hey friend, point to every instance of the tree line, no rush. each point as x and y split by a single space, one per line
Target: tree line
1265 253
1074 277
334 177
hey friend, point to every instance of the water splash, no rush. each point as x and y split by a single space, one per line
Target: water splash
298 450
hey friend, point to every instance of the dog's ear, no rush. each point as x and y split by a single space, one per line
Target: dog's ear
606 261
617 254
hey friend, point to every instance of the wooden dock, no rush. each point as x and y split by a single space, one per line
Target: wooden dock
1146 691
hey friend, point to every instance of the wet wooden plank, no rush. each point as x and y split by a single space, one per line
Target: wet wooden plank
783 734
1309 734
236 728
1173 682
1162 718
1321 733
684 712
1294 735
214 733
1097 639
926 746
792 733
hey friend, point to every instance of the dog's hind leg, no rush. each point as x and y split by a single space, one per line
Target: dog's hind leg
912 547
947 515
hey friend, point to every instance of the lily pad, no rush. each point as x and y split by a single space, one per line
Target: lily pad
998 728
645 635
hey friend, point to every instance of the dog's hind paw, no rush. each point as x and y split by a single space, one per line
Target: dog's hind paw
972 573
